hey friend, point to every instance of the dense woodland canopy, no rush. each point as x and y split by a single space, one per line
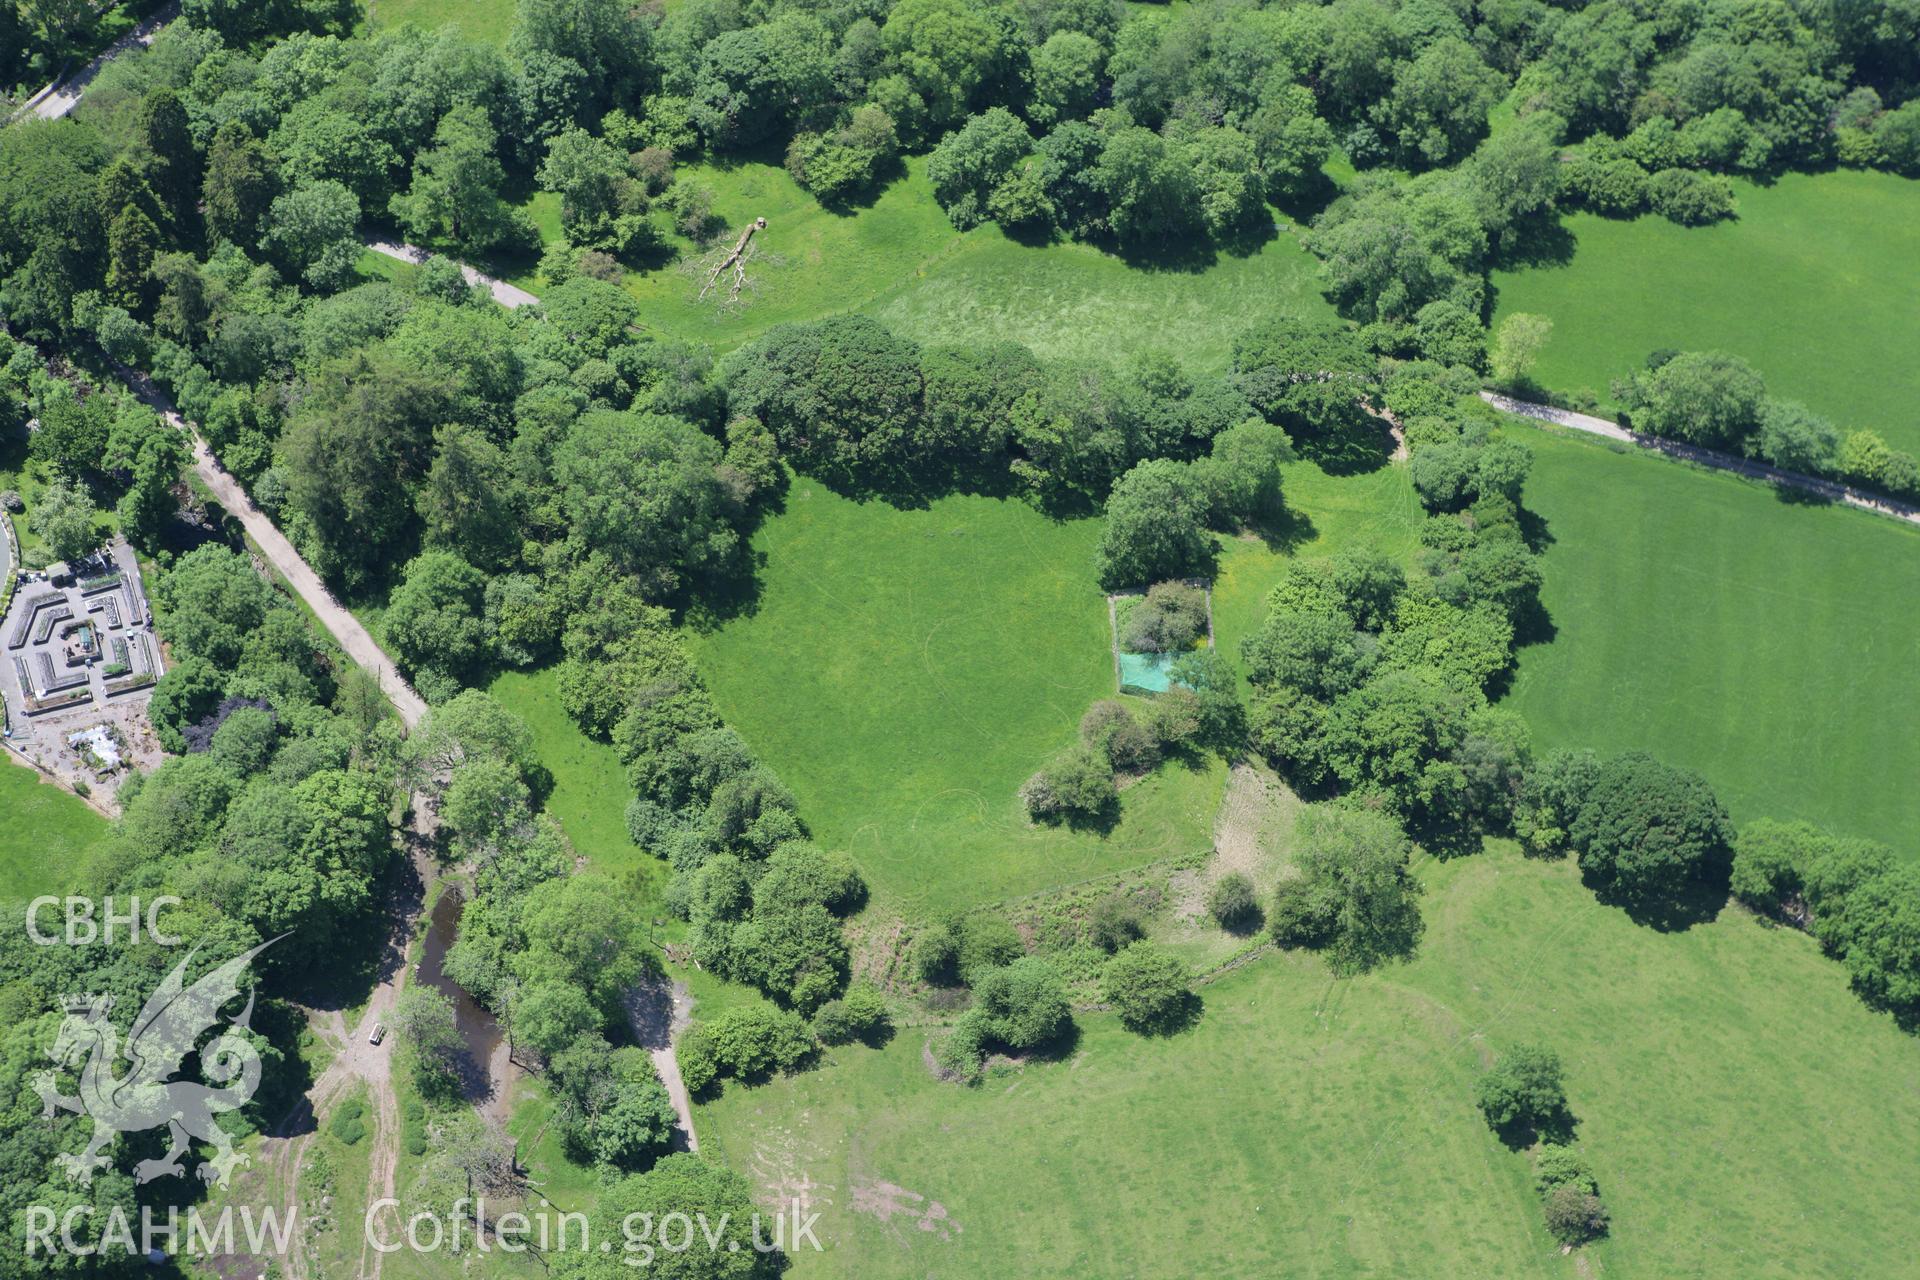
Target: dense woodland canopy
558 485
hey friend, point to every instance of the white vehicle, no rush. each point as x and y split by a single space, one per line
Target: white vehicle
378 1034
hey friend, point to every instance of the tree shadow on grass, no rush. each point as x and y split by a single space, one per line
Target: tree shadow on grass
1698 903
1177 255
1287 532
1521 1134
1181 1019
727 594
1100 822
1310 201
850 203
1539 242
1350 452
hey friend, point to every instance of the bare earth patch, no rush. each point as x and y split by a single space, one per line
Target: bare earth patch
1250 835
885 1201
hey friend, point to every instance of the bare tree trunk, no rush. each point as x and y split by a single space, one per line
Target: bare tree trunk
736 260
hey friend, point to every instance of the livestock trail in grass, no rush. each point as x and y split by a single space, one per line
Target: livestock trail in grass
1767 644
1313 1127
1813 284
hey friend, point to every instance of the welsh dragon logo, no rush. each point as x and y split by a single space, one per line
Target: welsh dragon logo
156 1048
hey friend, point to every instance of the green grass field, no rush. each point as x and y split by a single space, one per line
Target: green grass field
1312 1127
47 836
590 790
489 20
900 259
905 670
1768 645
1813 284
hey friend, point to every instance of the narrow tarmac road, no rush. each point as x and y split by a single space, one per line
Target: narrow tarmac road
64 95
1827 489
505 294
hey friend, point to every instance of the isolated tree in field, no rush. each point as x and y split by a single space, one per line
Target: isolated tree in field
1524 1089
1114 922
1569 1196
1646 831
1516 345
1076 786
1147 985
1354 878
861 1014
1153 528
63 518
679 1184
1110 730
752 1042
1024 1005
1232 903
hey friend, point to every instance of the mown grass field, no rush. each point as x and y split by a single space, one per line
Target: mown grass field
1769 645
47 836
906 670
900 259
1813 284
1313 1127
490 20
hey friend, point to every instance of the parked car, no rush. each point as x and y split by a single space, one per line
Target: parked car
379 1033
